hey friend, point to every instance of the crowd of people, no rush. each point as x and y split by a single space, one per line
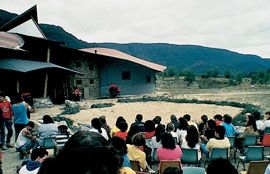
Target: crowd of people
103 149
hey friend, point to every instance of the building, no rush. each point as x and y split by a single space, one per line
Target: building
30 62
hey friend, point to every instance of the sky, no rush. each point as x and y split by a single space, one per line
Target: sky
238 25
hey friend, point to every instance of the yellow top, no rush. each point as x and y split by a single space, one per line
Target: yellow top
126 170
215 143
135 154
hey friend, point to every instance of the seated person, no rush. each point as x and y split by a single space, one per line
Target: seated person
84 153
136 153
139 122
32 166
221 166
220 141
227 124
123 126
168 151
192 140
26 140
47 128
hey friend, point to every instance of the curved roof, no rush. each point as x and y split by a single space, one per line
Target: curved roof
11 41
25 66
120 55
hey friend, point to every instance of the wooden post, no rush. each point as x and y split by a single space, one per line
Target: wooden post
18 86
46 74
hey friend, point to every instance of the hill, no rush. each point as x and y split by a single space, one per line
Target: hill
183 57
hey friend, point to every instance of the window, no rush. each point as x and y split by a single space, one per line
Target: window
126 75
148 79
78 64
91 67
91 81
79 82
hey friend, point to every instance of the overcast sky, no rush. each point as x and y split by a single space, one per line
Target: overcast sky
237 25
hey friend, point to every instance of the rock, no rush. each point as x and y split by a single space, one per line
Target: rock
71 107
42 103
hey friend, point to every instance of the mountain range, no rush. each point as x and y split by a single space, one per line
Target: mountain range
196 58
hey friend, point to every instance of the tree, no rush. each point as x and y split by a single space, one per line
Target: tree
189 77
227 74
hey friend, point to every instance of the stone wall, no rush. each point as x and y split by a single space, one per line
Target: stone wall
89 82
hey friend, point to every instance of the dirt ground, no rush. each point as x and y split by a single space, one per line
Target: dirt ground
149 110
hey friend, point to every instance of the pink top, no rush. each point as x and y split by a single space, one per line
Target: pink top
168 154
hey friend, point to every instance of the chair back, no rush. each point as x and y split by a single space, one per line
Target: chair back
267 130
168 163
193 170
232 141
49 143
250 140
190 156
266 140
218 153
135 165
254 153
257 167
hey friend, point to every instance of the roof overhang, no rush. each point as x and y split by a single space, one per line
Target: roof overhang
123 56
25 66
11 41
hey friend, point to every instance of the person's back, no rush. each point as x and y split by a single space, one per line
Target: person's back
20 113
221 166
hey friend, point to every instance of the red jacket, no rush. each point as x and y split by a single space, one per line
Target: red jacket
6 109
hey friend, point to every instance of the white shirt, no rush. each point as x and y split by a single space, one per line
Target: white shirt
267 123
181 135
260 125
24 170
21 140
103 132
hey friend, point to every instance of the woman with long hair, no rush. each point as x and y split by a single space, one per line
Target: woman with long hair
182 129
192 140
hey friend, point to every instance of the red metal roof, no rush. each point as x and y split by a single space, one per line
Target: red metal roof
11 41
120 55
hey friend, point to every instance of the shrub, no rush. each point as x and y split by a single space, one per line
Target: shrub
102 105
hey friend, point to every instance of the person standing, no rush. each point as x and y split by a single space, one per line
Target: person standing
5 121
19 109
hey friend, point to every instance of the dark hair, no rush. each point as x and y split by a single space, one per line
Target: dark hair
149 126
18 98
157 119
96 124
47 119
221 166
218 117
132 131
211 124
173 170
38 152
268 112
227 119
138 139
119 145
31 124
220 130
183 125
139 117
123 126
159 131
257 115
118 120
204 118
102 119
192 136
187 117
85 152
173 118
252 122
167 141
170 127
